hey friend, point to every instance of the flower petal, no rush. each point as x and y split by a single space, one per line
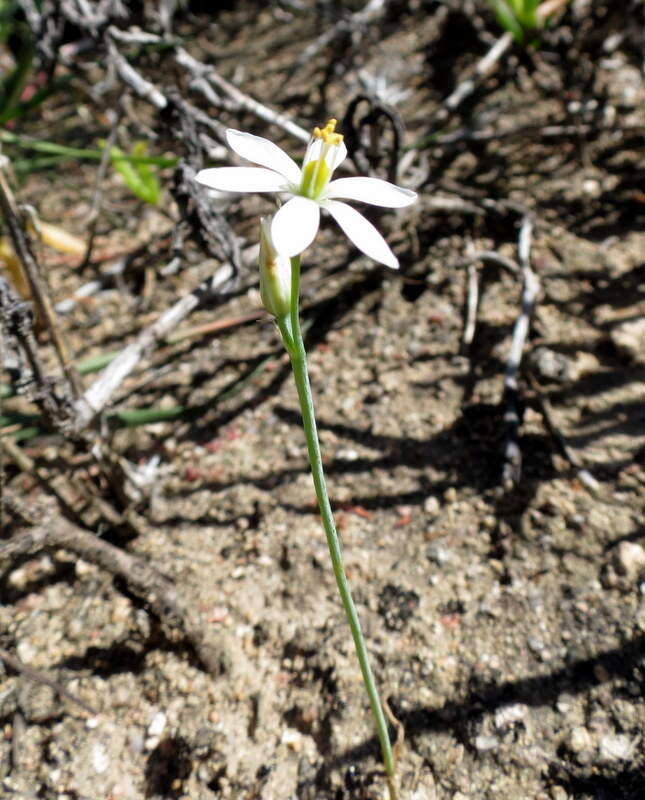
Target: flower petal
263 152
371 190
337 154
362 233
312 152
242 179
295 226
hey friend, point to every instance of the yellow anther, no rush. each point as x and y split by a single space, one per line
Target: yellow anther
328 133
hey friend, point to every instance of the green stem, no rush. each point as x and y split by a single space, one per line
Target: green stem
292 336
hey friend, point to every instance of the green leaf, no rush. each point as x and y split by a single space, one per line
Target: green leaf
146 172
507 19
530 18
137 176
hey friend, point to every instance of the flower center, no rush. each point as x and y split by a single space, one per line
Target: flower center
317 169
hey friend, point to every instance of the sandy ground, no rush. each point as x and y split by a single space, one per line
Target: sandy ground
506 624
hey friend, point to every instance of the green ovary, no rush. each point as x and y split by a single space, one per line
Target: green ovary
315 176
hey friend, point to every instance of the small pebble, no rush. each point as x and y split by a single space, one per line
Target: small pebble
157 724
18 578
218 614
204 742
438 555
551 365
535 645
629 338
8 698
38 702
563 703
629 559
508 715
292 738
84 569
450 495
591 187
558 793
640 614
431 506
100 760
25 651
616 747
347 454
580 740
136 743
191 474
486 743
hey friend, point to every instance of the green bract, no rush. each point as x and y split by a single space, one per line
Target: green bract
275 274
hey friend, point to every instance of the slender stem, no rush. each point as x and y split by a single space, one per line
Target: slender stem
292 335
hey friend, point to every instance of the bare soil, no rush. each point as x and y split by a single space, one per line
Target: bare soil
506 623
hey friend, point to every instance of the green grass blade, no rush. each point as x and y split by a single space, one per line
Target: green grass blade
52 148
11 87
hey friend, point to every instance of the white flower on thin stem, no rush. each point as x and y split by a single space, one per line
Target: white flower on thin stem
296 223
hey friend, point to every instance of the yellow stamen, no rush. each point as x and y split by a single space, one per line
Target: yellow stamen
328 133
317 172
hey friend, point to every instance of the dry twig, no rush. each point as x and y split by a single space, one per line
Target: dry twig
128 74
100 392
472 291
485 66
76 499
37 285
512 416
17 319
356 24
37 676
584 475
365 135
142 579
242 100
472 301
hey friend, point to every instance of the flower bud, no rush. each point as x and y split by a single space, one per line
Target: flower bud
275 274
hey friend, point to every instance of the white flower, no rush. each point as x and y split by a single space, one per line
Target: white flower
296 223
